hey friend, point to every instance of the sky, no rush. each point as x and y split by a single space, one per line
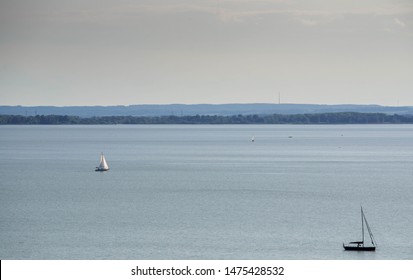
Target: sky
123 52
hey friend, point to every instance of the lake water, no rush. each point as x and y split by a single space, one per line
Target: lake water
205 192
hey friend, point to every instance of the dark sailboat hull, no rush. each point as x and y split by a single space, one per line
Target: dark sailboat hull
358 248
101 170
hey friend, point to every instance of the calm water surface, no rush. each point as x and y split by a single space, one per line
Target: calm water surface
205 192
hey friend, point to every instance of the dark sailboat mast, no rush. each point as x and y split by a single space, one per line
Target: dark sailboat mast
362 225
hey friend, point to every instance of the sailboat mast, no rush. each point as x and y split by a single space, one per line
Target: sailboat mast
362 225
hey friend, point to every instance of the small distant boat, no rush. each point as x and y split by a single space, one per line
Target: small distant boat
103 166
252 139
359 245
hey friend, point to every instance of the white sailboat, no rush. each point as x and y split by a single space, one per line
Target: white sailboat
103 166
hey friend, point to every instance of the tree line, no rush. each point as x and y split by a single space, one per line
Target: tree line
319 118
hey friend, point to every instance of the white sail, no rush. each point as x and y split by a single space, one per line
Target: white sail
103 166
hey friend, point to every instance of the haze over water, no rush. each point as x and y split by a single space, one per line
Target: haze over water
205 192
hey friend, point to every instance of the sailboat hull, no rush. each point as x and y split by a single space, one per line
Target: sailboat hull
358 248
101 170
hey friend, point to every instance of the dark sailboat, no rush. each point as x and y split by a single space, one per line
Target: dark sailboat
360 245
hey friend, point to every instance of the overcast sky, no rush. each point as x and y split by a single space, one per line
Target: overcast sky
120 52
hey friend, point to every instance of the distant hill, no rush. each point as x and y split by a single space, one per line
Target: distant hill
319 119
199 109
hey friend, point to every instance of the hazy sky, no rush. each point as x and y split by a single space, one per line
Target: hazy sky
120 52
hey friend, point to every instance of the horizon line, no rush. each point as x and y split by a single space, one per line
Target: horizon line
211 104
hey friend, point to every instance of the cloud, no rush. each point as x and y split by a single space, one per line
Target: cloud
399 23
307 22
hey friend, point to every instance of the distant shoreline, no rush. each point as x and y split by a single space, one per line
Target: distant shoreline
182 110
302 119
